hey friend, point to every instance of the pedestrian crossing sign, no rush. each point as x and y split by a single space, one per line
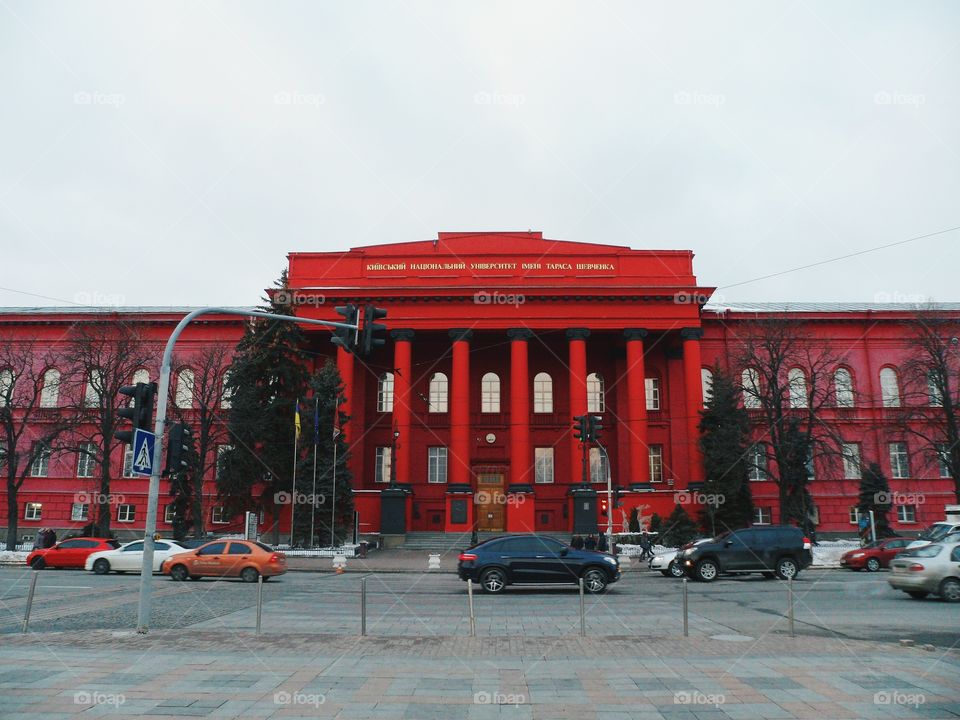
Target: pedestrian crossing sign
143 443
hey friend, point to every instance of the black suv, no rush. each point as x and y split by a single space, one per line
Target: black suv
535 560
780 551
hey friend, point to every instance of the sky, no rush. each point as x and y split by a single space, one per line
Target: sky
173 153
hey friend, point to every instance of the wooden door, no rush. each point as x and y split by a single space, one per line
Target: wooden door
490 502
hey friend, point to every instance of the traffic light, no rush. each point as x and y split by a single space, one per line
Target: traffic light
617 501
580 430
594 427
179 449
371 329
140 413
603 506
346 337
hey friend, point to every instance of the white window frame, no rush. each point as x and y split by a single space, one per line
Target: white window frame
79 512
33 511
218 515
383 457
906 514
50 392
655 462
126 513
762 515
843 388
438 399
943 466
598 466
899 460
750 382
596 391
490 393
852 461
226 391
757 470
86 460
889 387
168 512
6 385
797 387
437 465
854 515
40 467
542 393
186 383
651 388
91 395
543 465
127 470
934 389
385 388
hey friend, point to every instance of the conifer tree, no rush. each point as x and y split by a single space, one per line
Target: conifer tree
875 495
678 529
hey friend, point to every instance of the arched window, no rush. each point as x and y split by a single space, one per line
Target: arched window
750 380
141 376
797 385
889 387
226 391
595 399
385 393
438 393
843 388
6 386
50 394
542 393
91 397
490 393
706 382
935 388
184 396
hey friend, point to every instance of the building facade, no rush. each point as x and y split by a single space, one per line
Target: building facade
496 341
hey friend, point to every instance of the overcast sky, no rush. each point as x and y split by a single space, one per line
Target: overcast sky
202 141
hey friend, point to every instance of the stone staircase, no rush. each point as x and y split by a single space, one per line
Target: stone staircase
441 542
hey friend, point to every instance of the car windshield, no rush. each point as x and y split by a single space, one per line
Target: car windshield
936 532
722 536
875 543
927 551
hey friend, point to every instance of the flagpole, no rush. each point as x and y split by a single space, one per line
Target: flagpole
293 498
313 498
333 506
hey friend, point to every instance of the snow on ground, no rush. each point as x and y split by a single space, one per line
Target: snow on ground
10 557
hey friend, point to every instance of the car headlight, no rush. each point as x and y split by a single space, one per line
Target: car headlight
612 561
858 555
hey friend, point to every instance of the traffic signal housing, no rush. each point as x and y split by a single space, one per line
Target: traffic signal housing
604 507
594 427
139 412
370 333
581 430
346 337
179 449
617 498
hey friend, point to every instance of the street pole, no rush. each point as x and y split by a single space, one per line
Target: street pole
333 505
153 493
313 497
610 507
293 497
873 527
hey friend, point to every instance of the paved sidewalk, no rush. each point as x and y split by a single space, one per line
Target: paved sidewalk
236 674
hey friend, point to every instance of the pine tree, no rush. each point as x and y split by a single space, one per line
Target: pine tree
634 522
875 495
267 378
678 529
724 433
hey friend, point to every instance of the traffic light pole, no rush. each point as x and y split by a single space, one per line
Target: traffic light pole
610 502
153 497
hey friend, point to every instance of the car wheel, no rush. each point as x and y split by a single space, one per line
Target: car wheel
178 573
787 568
873 565
101 566
493 580
707 570
917 594
249 575
950 590
595 580
38 563
675 569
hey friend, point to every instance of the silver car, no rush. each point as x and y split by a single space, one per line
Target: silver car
929 569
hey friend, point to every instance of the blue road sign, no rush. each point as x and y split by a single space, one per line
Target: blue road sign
143 443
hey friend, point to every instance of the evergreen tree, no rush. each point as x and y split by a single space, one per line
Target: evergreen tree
795 473
875 495
656 525
724 433
267 378
678 529
634 522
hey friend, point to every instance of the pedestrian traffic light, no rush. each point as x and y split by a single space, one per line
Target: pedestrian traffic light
139 413
580 430
370 334
594 427
603 507
346 337
179 449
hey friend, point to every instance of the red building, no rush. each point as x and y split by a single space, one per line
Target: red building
496 341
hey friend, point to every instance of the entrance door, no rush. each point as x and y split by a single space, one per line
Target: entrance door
490 502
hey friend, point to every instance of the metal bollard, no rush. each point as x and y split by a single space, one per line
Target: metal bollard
790 605
363 607
686 611
259 601
473 619
33 587
583 614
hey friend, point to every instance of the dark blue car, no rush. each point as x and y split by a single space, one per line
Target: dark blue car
535 560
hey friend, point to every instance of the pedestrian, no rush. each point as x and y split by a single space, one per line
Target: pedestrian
38 541
577 542
50 538
602 543
645 551
590 543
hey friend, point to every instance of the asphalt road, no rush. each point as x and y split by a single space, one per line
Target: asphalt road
828 603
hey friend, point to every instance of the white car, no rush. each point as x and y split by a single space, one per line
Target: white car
129 557
666 562
938 532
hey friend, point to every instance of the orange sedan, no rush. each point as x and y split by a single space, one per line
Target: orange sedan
245 559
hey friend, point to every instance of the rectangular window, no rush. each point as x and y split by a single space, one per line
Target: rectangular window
382 465
757 460
218 515
437 464
907 513
168 511
41 461
899 462
221 450
385 393
851 461
655 454
543 464
33 511
85 459
128 461
854 515
652 391
811 467
126 513
943 460
79 512
598 466
762 515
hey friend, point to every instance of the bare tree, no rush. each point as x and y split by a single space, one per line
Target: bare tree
33 424
931 390
105 355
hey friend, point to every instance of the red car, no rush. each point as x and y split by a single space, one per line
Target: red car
874 556
70 553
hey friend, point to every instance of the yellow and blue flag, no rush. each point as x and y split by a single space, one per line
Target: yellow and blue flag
296 421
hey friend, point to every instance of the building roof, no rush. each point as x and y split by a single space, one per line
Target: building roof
111 310
828 307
